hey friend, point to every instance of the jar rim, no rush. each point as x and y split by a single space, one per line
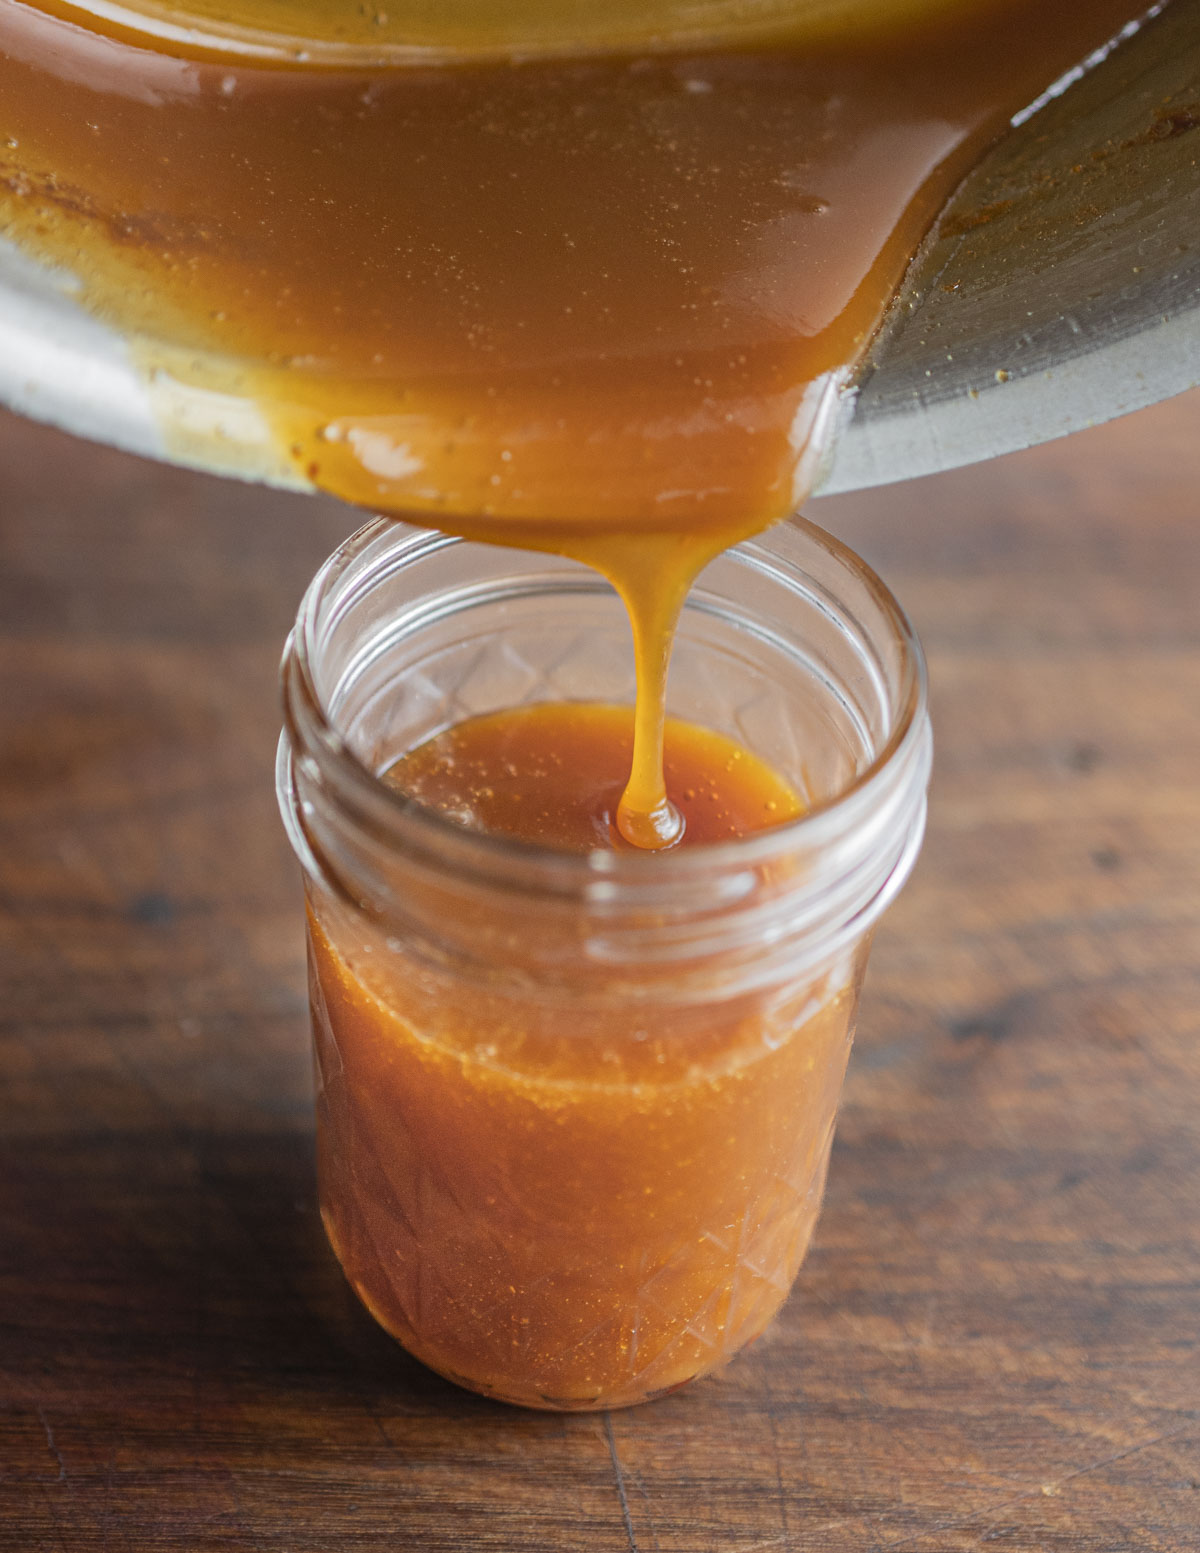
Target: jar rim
395 819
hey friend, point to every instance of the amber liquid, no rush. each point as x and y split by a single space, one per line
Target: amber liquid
556 1194
599 305
554 773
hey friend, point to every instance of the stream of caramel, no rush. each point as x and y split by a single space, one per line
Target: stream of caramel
601 304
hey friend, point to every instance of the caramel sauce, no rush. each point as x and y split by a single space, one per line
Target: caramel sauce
554 773
600 304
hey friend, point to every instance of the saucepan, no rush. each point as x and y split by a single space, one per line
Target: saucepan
1060 288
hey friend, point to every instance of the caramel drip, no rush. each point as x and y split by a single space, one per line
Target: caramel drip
554 773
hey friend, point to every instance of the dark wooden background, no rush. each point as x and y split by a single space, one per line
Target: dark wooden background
994 1343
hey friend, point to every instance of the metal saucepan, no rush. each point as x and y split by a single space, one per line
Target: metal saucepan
1060 289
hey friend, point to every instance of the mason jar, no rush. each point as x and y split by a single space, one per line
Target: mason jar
574 1111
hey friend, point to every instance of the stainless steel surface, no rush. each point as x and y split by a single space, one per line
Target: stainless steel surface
1061 288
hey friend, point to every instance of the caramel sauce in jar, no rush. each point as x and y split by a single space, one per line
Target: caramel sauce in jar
574 1100
554 773
594 1218
537 1199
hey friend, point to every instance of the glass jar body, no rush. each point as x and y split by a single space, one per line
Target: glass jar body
574 1114
560 1200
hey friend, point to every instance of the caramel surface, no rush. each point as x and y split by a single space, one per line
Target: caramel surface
589 1229
554 773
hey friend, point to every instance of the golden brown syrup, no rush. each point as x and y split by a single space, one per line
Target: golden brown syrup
561 1203
584 1187
554 773
598 305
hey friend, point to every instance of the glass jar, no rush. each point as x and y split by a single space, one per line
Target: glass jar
574 1112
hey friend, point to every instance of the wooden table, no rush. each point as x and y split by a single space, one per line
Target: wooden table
994 1341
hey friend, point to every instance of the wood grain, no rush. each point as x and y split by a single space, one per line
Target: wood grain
995 1340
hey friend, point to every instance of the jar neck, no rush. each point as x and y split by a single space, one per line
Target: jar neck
775 904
